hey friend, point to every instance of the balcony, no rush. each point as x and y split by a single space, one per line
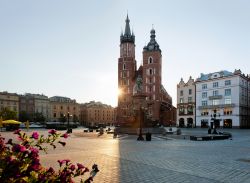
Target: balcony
215 97
216 106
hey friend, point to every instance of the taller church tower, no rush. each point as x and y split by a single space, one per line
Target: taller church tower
126 73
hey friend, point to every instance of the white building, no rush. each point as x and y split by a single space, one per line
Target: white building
186 103
223 100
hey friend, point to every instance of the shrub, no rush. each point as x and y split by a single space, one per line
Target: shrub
19 162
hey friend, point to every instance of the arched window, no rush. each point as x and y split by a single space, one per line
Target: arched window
124 66
150 60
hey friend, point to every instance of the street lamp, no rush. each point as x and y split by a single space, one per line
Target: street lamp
141 114
213 117
69 130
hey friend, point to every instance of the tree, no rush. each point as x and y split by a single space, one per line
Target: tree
6 114
38 117
24 116
75 118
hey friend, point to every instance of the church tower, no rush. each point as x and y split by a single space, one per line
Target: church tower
152 66
126 73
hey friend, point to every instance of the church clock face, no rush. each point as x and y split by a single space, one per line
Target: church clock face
151 47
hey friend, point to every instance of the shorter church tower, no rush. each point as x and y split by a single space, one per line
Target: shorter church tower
152 62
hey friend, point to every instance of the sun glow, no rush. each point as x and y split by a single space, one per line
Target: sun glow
119 92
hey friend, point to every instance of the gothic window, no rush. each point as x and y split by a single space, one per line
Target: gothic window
150 71
181 93
124 67
150 60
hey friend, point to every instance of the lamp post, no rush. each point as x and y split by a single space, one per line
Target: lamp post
69 130
141 114
213 117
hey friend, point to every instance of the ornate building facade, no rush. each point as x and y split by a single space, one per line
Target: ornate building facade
96 114
61 107
225 95
186 103
159 103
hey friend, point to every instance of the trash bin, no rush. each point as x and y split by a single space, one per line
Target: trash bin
209 131
69 130
148 136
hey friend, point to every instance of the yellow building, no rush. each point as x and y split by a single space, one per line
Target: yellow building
96 113
10 101
63 108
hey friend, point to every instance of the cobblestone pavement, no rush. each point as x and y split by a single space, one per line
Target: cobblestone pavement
126 160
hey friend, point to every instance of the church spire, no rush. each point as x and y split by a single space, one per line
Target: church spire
127 36
127 27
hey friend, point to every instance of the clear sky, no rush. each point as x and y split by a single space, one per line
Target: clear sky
71 48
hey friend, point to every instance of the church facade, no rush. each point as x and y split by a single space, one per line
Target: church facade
159 103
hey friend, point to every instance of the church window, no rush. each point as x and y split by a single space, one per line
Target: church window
150 60
150 71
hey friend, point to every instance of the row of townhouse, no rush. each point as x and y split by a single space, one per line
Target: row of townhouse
33 107
219 99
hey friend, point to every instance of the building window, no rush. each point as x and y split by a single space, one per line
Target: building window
54 115
215 102
204 86
61 107
227 92
150 71
204 103
227 82
181 110
215 84
215 93
181 93
181 100
228 101
204 94
124 74
189 99
124 67
190 91
150 60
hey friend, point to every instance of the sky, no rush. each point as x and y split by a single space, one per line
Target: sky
71 48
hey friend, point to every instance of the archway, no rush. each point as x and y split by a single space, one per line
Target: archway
227 123
190 122
181 122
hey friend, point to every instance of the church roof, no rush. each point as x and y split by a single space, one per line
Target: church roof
127 36
152 45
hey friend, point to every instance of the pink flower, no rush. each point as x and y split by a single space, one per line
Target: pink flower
80 166
72 167
17 131
60 162
35 135
50 170
19 148
66 135
52 131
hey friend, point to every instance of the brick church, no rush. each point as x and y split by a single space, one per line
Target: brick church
159 102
